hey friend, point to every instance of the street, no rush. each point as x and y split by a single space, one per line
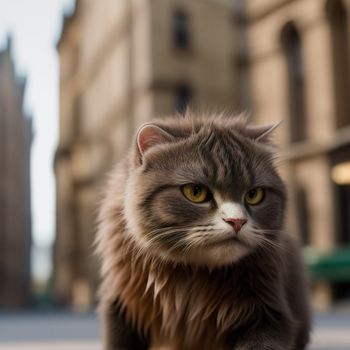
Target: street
66 331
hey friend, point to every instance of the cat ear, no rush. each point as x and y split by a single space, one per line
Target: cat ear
150 135
262 133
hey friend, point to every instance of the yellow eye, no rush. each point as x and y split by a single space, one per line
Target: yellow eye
195 193
254 196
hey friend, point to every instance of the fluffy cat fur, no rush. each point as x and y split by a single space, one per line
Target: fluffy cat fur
175 275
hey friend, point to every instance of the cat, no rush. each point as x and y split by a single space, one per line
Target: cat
194 253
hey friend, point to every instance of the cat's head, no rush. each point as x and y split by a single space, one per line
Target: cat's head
204 191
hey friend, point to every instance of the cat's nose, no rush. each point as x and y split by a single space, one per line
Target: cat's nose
236 223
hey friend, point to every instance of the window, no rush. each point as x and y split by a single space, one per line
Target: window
181 30
343 218
338 21
291 43
183 97
303 215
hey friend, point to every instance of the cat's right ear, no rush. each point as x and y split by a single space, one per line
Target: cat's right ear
150 135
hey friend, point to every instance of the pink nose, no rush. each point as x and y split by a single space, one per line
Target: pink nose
236 223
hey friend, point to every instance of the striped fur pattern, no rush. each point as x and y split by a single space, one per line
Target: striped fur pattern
166 265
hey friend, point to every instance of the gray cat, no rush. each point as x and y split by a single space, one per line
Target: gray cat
194 256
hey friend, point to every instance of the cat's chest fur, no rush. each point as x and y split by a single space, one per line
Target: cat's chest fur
182 307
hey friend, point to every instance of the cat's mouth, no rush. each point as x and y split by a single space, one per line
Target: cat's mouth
228 240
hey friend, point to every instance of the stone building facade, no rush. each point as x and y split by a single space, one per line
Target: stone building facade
299 70
281 60
15 216
122 63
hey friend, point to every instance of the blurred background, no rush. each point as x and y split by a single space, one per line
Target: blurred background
76 80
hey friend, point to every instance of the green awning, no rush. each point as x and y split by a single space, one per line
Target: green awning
334 267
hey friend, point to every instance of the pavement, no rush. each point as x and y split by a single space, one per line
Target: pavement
331 331
67 331
49 331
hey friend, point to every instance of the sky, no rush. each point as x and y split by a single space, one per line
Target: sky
35 26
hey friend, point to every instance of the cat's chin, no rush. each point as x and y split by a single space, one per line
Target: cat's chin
217 255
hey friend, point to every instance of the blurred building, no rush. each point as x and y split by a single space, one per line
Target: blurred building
299 68
15 217
282 60
122 63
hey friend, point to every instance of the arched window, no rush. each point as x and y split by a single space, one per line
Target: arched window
291 43
338 20
183 97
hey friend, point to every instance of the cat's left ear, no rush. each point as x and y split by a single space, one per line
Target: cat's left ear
262 133
150 135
